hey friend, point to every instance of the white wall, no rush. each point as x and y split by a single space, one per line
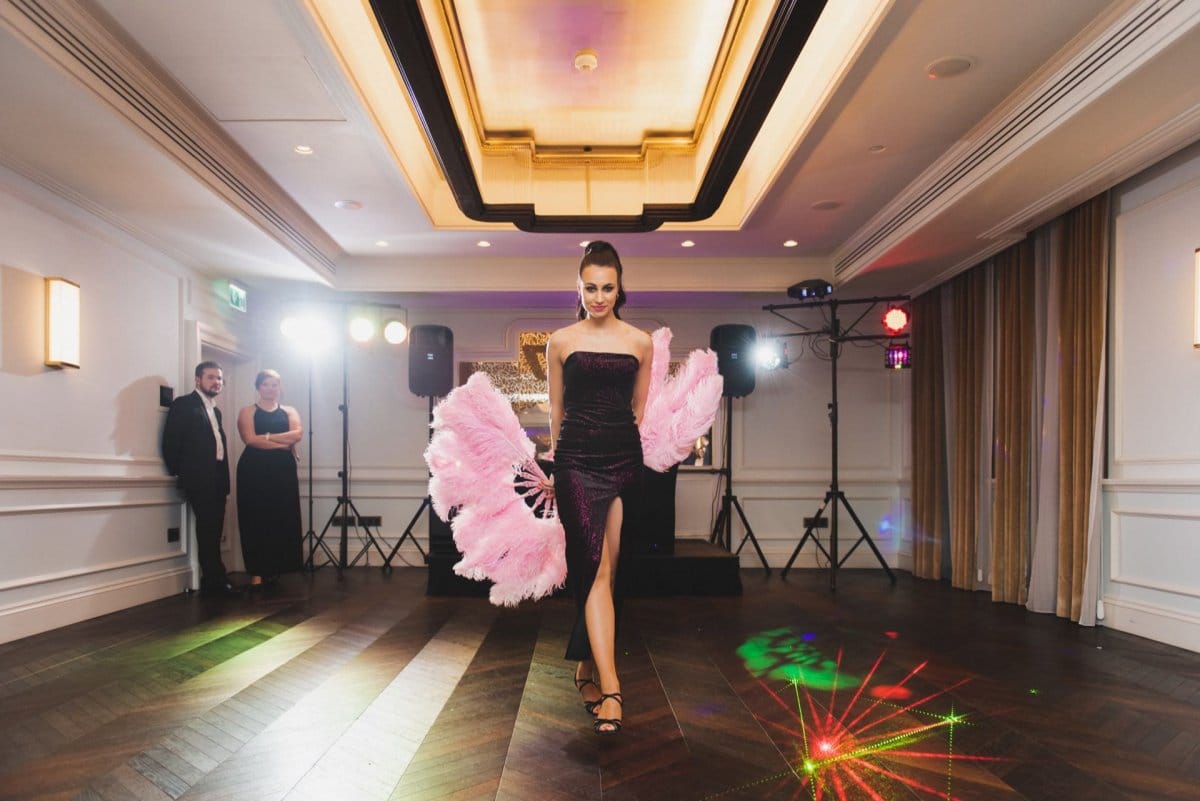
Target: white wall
781 451
84 500
1152 496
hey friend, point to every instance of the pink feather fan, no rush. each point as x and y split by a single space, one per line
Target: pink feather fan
482 469
480 460
678 409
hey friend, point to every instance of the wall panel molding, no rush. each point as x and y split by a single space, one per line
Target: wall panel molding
1188 522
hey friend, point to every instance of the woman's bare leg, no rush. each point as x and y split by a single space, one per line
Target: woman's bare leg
586 669
600 617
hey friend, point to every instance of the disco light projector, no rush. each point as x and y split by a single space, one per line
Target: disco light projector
808 290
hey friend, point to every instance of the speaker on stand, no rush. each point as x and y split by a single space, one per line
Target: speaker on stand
430 374
734 345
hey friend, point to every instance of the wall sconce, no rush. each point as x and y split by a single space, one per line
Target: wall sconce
1196 305
62 323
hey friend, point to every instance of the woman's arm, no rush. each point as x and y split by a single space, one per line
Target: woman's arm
245 426
554 360
295 431
641 385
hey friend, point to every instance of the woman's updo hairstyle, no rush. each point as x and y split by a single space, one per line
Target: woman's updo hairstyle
603 254
263 375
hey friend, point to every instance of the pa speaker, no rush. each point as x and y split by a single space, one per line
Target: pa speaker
734 345
430 360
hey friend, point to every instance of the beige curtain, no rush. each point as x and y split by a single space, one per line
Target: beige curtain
928 437
1014 449
968 294
1084 273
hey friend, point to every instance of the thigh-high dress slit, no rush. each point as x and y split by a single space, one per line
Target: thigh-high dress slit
597 459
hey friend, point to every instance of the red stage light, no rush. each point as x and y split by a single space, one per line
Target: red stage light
895 320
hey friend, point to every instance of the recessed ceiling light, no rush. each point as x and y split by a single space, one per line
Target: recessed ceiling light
483 243
827 205
687 243
876 148
348 205
791 243
948 67
303 150
381 243
586 60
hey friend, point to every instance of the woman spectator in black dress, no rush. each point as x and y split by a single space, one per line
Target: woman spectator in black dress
268 488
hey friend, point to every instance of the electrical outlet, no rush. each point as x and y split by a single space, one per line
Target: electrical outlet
173 534
370 521
340 520
816 522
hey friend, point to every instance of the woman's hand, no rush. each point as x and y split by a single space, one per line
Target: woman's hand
547 486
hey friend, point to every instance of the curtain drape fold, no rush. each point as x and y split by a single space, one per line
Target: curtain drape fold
1082 299
928 438
1013 450
968 300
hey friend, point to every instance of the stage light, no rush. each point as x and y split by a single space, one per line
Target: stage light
770 354
395 332
895 320
308 332
898 357
361 329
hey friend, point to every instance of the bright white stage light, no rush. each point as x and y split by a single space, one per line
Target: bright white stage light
361 329
395 332
309 333
769 354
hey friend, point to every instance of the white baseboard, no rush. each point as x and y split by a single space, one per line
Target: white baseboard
53 611
1157 623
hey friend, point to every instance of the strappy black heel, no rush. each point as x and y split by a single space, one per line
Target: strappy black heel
590 706
615 723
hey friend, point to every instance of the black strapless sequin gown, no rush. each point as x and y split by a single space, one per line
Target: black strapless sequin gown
597 458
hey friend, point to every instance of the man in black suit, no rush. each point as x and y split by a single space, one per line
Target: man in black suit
193 447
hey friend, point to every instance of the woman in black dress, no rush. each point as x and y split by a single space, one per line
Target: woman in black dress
599 372
268 489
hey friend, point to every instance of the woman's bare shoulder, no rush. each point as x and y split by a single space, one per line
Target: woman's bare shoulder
637 336
561 339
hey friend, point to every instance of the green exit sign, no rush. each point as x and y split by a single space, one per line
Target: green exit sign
237 297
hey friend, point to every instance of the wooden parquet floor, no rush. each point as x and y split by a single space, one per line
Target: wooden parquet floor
367 689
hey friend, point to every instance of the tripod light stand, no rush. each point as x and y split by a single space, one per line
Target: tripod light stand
835 496
311 541
341 513
722 533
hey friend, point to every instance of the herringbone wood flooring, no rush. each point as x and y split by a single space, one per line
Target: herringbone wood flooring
367 689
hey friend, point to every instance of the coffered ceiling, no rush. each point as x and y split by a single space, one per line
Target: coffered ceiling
305 141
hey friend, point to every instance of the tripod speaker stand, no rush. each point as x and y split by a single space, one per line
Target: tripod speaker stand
426 504
431 374
722 533
834 496
734 346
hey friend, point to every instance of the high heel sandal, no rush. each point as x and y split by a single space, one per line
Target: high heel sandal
590 706
615 723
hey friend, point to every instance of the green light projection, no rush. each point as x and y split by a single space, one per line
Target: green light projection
784 655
